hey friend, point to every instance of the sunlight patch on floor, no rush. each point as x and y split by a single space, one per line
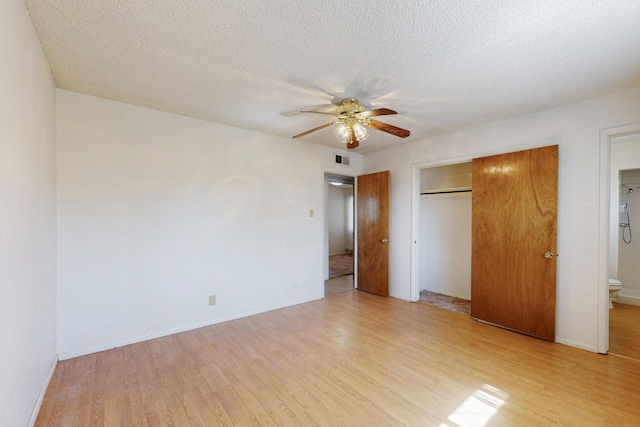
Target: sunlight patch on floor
478 409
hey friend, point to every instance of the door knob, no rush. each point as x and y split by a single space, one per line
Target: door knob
548 255
385 240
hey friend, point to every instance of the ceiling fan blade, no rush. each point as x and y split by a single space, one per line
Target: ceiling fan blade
354 142
313 130
385 127
318 112
377 112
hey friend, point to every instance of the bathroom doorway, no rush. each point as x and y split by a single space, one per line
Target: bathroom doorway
624 318
623 325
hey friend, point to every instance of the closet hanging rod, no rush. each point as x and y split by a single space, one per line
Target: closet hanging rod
446 191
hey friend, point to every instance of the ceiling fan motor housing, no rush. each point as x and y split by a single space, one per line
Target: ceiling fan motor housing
350 105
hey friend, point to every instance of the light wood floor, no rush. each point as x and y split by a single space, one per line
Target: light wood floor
350 359
624 330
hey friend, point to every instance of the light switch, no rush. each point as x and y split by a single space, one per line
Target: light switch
311 213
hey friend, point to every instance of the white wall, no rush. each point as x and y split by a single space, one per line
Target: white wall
157 211
27 218
444 249
340 224
575 128
349 231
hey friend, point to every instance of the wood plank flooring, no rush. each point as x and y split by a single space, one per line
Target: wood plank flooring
624 330
351 359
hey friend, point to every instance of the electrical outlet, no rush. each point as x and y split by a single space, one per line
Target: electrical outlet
212 300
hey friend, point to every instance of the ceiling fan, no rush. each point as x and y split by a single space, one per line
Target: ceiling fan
352 121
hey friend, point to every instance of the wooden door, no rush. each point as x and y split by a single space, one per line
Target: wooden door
372 204
513 266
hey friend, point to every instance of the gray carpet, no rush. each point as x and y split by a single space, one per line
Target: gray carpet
445 301
340 265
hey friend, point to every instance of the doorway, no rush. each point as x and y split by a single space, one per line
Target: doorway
444 237
609 216
624 247
339 233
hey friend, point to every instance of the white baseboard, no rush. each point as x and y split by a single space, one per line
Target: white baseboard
401 297
581 346
628 300
43 391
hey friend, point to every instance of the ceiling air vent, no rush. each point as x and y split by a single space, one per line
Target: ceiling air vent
342 160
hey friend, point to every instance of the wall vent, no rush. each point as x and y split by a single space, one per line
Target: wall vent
342 160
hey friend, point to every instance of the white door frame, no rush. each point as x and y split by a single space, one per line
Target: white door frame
606 136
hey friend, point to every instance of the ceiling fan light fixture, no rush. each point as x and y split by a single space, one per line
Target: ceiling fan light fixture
345 128
352 123
360 131
342 132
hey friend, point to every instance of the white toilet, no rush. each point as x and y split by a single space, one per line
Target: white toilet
614 286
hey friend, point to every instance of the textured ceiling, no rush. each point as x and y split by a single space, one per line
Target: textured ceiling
442 65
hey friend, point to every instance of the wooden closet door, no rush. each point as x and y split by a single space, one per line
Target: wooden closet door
372 201
514 223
